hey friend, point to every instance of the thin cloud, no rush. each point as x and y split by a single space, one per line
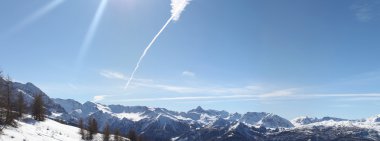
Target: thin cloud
112 75
345 95
99 98
36 15
188 73
366 10
279 93
241 97
72 86
286 94
209 90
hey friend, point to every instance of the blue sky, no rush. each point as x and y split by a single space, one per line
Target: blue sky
291 58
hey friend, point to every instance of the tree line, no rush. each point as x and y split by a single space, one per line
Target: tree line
13 106
88 131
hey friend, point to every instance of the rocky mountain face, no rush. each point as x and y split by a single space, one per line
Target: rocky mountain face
29 92
199 124
163 124
304 120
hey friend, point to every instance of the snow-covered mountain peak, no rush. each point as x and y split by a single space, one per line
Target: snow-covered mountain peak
199 109
374 119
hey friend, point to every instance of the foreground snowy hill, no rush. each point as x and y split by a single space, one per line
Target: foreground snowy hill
48 130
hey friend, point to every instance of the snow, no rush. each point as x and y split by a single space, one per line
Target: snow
366 124
48 130
56 114
233 127
103 108
131 116
175 138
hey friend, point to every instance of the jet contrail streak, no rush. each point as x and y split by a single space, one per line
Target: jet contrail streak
146 50
36 15
91 31
177 7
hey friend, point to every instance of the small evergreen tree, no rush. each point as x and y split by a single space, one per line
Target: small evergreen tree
2 102
9 115
116 136
94 125
132 135
20 105
89 126
106 133
81 128
92 128
38 108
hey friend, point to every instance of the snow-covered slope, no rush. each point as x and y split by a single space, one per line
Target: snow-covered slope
304 120
307 122
48 130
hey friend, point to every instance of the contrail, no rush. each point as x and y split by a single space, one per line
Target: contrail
177 7
91 31
35 16
146 50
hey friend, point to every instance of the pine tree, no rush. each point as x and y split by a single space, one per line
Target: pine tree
116 136
20 105
9 115
38 108
106 133
2 102
92 128
132 135
81 128
89 129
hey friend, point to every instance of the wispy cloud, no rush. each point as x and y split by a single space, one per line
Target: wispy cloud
36 15
99 98
112 74
285 94
345 95
279 93
366 10
239 97
208 90
72 86
188 73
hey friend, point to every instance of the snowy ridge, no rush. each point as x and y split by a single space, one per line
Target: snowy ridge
48 130
307 122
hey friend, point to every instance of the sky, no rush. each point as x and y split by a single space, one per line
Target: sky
289 57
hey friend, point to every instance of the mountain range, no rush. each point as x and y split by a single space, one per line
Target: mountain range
199 124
